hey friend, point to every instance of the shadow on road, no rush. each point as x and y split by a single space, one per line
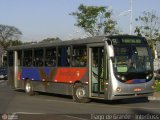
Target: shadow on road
123 101
112 102
144 112
47 94
55 95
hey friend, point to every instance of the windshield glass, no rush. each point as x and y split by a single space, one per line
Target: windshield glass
131 59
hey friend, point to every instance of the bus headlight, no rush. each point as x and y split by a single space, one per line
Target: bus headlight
121 77
149 76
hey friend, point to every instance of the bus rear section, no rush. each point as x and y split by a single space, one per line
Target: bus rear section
60 68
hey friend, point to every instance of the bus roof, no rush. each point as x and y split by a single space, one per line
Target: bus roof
96 39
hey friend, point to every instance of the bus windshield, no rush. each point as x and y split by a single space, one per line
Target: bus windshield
131 59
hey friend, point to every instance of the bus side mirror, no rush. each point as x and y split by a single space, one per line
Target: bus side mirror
109 47
111 51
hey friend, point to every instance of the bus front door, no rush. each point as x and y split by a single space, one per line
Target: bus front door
96 71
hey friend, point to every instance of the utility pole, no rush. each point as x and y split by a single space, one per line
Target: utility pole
130 11
131 17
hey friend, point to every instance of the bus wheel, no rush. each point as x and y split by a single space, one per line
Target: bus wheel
29 88
79 94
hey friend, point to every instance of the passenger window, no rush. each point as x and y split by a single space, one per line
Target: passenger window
38 57
5 60
10 58
27 59
64 56
79 56
19 58
50 58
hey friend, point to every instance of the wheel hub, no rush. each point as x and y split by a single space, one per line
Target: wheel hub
80 93
28 87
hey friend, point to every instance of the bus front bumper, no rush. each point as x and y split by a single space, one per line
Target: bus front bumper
130 95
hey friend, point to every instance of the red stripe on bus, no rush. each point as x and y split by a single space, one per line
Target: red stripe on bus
129 81
69 75
19 75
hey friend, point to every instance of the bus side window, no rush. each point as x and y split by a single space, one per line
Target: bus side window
38 57
27 59
10 58
64 56
19 58
79 56
50 57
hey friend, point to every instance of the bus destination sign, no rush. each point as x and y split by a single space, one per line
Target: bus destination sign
127 41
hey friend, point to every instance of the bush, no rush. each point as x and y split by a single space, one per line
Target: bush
157 85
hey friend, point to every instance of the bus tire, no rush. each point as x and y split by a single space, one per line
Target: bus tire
29 88
79 94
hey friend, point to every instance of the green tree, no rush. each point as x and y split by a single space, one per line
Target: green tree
50 40
95 20
15 42
9 35
149 25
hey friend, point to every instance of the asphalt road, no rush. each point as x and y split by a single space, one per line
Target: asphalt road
18 105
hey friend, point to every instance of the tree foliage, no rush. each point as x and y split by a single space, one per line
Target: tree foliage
5 44
150 28
50 40
9 35
95 20
149 25
15 42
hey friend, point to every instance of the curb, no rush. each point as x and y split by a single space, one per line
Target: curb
153 98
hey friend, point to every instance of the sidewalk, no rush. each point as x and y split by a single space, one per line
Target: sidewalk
156 96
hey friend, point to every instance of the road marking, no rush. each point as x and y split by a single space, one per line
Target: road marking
75 117
58 101
14 115
26 113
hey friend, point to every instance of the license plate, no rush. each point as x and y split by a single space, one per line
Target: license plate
137 89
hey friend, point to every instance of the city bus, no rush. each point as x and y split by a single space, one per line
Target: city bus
102 67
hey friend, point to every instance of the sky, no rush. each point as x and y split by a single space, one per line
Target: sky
40 19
